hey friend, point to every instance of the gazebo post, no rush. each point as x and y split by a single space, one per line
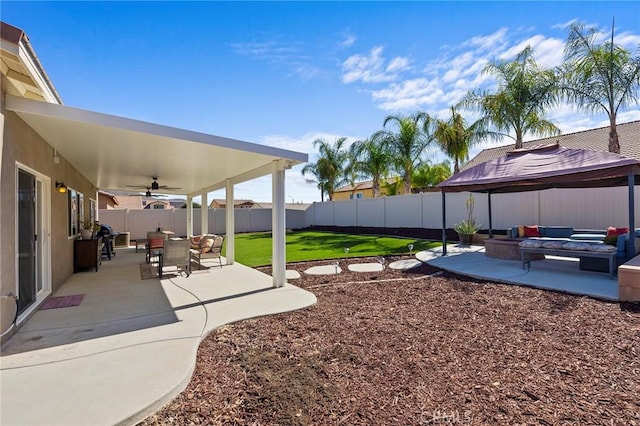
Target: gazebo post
631 243
444 224
490 221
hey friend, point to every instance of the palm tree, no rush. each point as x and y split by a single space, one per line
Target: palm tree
372 161
407 145
600 76
428 176
524 93
455 137
329 170
352 170
319 173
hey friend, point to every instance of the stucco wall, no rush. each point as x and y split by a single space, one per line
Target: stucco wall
23 145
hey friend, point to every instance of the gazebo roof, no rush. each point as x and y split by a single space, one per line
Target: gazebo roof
544 167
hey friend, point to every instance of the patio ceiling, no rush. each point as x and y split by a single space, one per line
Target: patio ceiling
114 152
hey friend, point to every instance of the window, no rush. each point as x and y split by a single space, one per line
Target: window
73 211
158 206
357 195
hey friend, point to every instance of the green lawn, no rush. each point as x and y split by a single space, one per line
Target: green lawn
254 249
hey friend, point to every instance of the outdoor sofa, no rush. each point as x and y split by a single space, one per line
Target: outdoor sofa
589 247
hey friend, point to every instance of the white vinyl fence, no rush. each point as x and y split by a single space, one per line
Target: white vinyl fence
592 208
139 222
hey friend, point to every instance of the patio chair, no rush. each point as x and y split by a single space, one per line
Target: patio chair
155 241
175 253
210 247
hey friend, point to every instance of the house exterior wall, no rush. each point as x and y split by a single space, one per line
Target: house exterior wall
21 144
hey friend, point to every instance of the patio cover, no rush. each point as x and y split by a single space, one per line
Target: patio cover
545 167
114 152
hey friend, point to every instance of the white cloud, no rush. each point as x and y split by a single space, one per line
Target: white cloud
281 54
348 40
489 42
371 68
628 41
409 94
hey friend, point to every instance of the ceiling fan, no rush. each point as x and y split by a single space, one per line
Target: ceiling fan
155 186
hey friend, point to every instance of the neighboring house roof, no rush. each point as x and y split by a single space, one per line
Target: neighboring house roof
112 197
133 202
593 139
367 184
221 202
288 206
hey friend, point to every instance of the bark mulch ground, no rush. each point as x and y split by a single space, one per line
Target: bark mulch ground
424 347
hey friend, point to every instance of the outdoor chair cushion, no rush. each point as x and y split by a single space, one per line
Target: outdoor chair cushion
573 245
195 242
156 243
553 244
531 243
206 242
531 231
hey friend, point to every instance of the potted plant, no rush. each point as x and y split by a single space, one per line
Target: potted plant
468 227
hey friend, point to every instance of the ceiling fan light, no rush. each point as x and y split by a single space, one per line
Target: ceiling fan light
148 194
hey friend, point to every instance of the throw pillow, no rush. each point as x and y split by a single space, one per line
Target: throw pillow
195 242
206 244
520 231
531 231
613 231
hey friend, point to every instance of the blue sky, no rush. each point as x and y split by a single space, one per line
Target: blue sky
284 74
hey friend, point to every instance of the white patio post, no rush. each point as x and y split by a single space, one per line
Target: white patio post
204 214
278 226
189 216
230 216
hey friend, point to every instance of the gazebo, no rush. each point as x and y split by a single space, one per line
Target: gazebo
545 167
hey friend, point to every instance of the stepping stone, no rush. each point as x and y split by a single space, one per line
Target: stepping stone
365 267
292 274
323 270
405 264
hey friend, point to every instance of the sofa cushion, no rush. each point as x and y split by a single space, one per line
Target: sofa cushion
520 231
601 248
556 231
531 231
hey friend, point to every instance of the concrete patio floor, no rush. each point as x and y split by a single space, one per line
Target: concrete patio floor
131 345
553 273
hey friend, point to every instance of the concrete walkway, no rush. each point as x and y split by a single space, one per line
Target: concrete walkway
553 273
130 346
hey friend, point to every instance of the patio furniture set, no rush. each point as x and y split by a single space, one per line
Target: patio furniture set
534 242
180 252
